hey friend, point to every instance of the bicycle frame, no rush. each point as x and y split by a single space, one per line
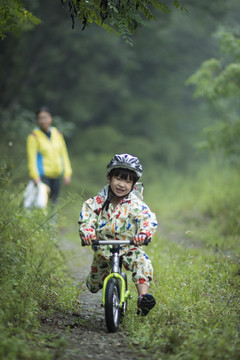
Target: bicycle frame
125 294
115 290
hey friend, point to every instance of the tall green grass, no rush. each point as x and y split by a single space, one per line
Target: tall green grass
197 311
33 275
195 255
203 203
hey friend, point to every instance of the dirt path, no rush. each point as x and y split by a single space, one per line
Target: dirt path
85 331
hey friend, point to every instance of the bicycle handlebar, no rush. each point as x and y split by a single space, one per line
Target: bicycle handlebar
115 242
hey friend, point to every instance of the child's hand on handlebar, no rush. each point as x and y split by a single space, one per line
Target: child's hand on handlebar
139 239
88 239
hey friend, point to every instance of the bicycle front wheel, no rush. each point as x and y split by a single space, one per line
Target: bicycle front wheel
123 310
112 305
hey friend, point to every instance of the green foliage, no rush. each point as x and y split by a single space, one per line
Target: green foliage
114 98
217 77
33 276
15 18
204 200
92 80
222 139
119 16
204 78
196 268
197 296
218 81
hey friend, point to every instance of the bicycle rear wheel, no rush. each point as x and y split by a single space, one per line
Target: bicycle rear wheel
112 305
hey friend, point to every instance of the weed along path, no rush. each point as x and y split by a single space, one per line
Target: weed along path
197 312
84 330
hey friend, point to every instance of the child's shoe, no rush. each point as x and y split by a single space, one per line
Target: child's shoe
145 303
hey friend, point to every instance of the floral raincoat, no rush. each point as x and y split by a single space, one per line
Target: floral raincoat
130 217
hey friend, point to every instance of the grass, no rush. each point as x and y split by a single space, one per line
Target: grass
195 255
197 311
196 271
202 204
34 279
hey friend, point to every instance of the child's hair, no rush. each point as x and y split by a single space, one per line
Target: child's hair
125 174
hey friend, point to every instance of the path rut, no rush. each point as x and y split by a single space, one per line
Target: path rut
85 330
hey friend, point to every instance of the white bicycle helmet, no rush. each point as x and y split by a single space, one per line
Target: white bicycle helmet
126 161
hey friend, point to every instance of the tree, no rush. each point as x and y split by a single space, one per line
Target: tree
218 81
122 17
15 18
93 80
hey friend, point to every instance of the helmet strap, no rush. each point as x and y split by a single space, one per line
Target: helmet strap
110 196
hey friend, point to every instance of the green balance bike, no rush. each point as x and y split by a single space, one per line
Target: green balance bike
115 293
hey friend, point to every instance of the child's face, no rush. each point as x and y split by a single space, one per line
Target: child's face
120 187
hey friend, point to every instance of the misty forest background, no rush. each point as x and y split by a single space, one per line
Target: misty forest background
169 94
109 97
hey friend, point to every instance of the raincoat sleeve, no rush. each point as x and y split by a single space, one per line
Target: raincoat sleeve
66 161
146 221
87 220
32 149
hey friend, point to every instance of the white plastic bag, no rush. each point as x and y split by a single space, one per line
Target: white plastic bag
36 195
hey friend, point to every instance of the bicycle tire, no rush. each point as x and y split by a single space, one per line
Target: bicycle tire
123 310
112 303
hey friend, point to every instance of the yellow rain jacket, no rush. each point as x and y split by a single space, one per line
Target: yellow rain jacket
47 156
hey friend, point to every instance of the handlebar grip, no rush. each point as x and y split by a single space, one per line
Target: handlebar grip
146 241
95 242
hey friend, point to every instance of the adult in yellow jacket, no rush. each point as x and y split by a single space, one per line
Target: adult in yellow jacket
47 153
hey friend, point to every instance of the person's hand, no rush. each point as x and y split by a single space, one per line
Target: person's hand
36 181
139 239
88 239
66 180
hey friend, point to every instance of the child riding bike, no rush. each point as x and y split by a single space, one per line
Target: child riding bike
118 213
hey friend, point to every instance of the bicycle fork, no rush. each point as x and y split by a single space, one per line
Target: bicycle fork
124 295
